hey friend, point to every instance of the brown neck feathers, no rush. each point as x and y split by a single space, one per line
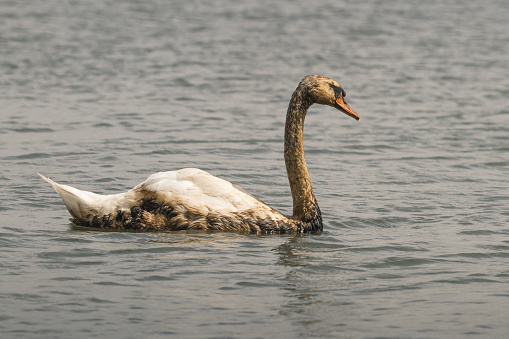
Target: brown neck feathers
305 207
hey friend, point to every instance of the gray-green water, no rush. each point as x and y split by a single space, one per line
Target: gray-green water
415 195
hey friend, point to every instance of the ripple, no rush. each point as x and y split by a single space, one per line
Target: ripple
156 278
30 156
100 301
32 130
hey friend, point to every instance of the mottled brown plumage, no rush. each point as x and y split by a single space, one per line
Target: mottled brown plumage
191 199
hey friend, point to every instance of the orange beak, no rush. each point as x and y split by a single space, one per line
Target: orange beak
343 106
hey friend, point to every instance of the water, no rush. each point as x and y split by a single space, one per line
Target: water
100 94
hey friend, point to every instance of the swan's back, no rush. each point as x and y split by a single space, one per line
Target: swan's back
199 191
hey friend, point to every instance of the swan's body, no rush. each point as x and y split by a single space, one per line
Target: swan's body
185 199
193 199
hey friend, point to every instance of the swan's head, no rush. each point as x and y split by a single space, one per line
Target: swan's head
326 91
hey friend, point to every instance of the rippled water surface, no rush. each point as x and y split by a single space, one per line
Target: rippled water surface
415 195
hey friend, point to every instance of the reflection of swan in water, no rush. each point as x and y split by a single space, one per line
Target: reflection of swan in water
194 199
310 284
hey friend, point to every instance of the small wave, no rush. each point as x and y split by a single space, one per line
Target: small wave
400 261
33 156
32 130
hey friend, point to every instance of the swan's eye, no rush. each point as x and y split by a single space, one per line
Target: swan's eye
338 91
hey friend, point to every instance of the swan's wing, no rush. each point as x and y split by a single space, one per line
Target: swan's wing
200 192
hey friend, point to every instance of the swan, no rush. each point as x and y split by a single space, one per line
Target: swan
192 199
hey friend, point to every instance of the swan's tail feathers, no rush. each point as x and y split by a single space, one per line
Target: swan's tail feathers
81 204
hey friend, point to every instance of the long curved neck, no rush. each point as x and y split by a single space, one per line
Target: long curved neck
305 207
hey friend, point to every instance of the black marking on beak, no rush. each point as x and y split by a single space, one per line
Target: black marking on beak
338 91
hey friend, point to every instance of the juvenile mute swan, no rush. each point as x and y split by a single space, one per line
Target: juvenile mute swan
193 199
